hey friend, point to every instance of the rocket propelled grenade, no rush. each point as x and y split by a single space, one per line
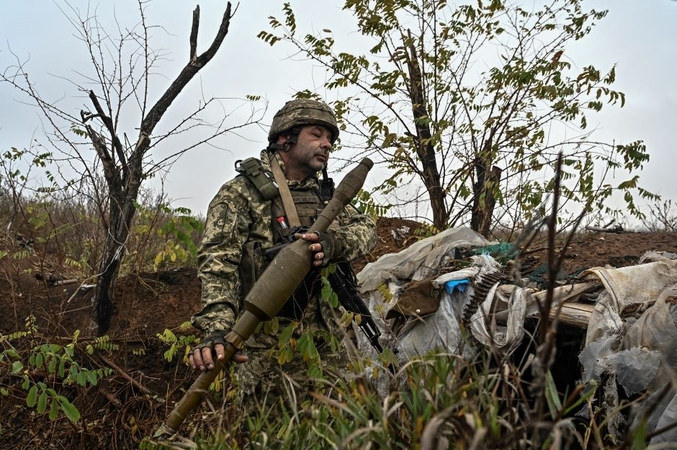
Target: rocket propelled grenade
269 294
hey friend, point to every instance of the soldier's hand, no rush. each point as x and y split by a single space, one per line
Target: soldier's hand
323 246
315 247
212 346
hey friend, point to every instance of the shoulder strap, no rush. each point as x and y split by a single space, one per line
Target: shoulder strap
285 194
252 168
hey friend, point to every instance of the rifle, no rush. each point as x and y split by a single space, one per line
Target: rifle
344 284
270 292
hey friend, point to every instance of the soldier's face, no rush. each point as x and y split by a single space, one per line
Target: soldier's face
311 152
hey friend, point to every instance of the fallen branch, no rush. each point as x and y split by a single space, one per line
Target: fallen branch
616 229
126 376
110 396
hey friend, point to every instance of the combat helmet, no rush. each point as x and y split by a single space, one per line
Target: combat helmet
302 112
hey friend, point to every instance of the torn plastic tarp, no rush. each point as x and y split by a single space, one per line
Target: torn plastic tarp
420 260
632 330
456 285
631 337
437 328
381 282
441 330
499 322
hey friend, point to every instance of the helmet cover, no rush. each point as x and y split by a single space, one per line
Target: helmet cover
301 112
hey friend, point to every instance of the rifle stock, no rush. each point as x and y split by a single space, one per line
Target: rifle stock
270 292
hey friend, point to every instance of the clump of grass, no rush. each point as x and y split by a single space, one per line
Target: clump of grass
436 401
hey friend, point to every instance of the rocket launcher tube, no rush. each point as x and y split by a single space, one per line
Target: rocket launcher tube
270 292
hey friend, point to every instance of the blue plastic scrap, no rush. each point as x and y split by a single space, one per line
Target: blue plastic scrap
460 285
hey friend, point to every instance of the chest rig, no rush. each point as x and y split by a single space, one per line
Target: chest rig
291 210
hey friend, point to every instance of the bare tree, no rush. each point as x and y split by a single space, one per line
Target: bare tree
122 66
661 217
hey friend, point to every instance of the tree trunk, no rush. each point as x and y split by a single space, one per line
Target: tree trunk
121 215
425 149
484 188
103 294
484 202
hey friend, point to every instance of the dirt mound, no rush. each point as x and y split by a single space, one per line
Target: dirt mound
148 303
145 303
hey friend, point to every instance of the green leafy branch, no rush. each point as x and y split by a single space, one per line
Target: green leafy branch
46 366
177 344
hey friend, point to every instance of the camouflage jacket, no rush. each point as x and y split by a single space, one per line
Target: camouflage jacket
239 228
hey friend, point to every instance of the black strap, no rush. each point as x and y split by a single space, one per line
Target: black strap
326 186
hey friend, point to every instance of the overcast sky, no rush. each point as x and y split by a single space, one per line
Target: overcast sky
639 36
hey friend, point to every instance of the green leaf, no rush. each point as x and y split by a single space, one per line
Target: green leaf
69 409
51 368
306 346
326 290
315 371
32 397
17 367
286 334
42 402
91 377
285 355
53 410
62 368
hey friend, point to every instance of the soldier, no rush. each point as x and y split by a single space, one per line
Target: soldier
249 215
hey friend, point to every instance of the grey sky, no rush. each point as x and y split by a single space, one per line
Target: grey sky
639 36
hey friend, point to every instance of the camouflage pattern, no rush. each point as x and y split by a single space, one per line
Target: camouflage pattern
303 112
239 228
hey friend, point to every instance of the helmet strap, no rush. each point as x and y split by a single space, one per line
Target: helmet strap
275 147
292 138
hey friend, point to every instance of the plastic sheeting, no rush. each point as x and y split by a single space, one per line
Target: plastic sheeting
419 260
441 331
632 337
438 331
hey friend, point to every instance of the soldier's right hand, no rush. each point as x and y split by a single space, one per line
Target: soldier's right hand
212 345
